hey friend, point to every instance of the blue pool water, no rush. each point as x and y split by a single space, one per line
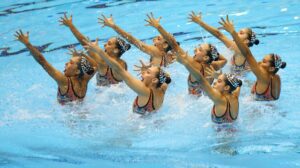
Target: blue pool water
35 131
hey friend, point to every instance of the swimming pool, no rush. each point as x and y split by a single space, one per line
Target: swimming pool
35 130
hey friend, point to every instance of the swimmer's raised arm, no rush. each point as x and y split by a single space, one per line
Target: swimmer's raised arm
220 63
37 55
229 27
211 92
79 36
109 22
193 17
169 38
67 21
135 84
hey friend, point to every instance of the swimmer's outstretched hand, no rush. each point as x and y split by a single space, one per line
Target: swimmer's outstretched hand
212 73
152 21
91 46
73 52
193 17
104 21
24 38
66 21
170 57
142 68
227 25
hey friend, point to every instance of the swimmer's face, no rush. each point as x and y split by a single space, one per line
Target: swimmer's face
266 62
201 53
149 75
160 42
71 67
220 84
244 34
111 46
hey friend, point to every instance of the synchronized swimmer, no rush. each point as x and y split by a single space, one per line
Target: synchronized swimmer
223 89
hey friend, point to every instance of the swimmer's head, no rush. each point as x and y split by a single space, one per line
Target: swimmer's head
248 37
78 66
155 76
116 46
272 63
206 53
162 44
227 83
212 53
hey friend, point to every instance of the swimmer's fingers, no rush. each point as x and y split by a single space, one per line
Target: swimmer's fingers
151 13
72 50
158 20
227 18
101 22
96 41
148 22
65 15
223 21
17 35
103 16
212 68
24 38
142 63
208 71
137 68
149 18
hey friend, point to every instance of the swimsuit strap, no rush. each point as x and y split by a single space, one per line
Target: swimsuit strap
69 85
203 73
271 89
226 117
80 97
162 62
229 109
112 75
214 110
150 100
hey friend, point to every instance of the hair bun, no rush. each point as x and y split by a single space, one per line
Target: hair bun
127 47
90 72
168 80
256 42
283 65
240 82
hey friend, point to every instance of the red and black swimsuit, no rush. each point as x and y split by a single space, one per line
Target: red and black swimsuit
149 107
266 95
239 68
107 79
225 118
70 95
195 87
